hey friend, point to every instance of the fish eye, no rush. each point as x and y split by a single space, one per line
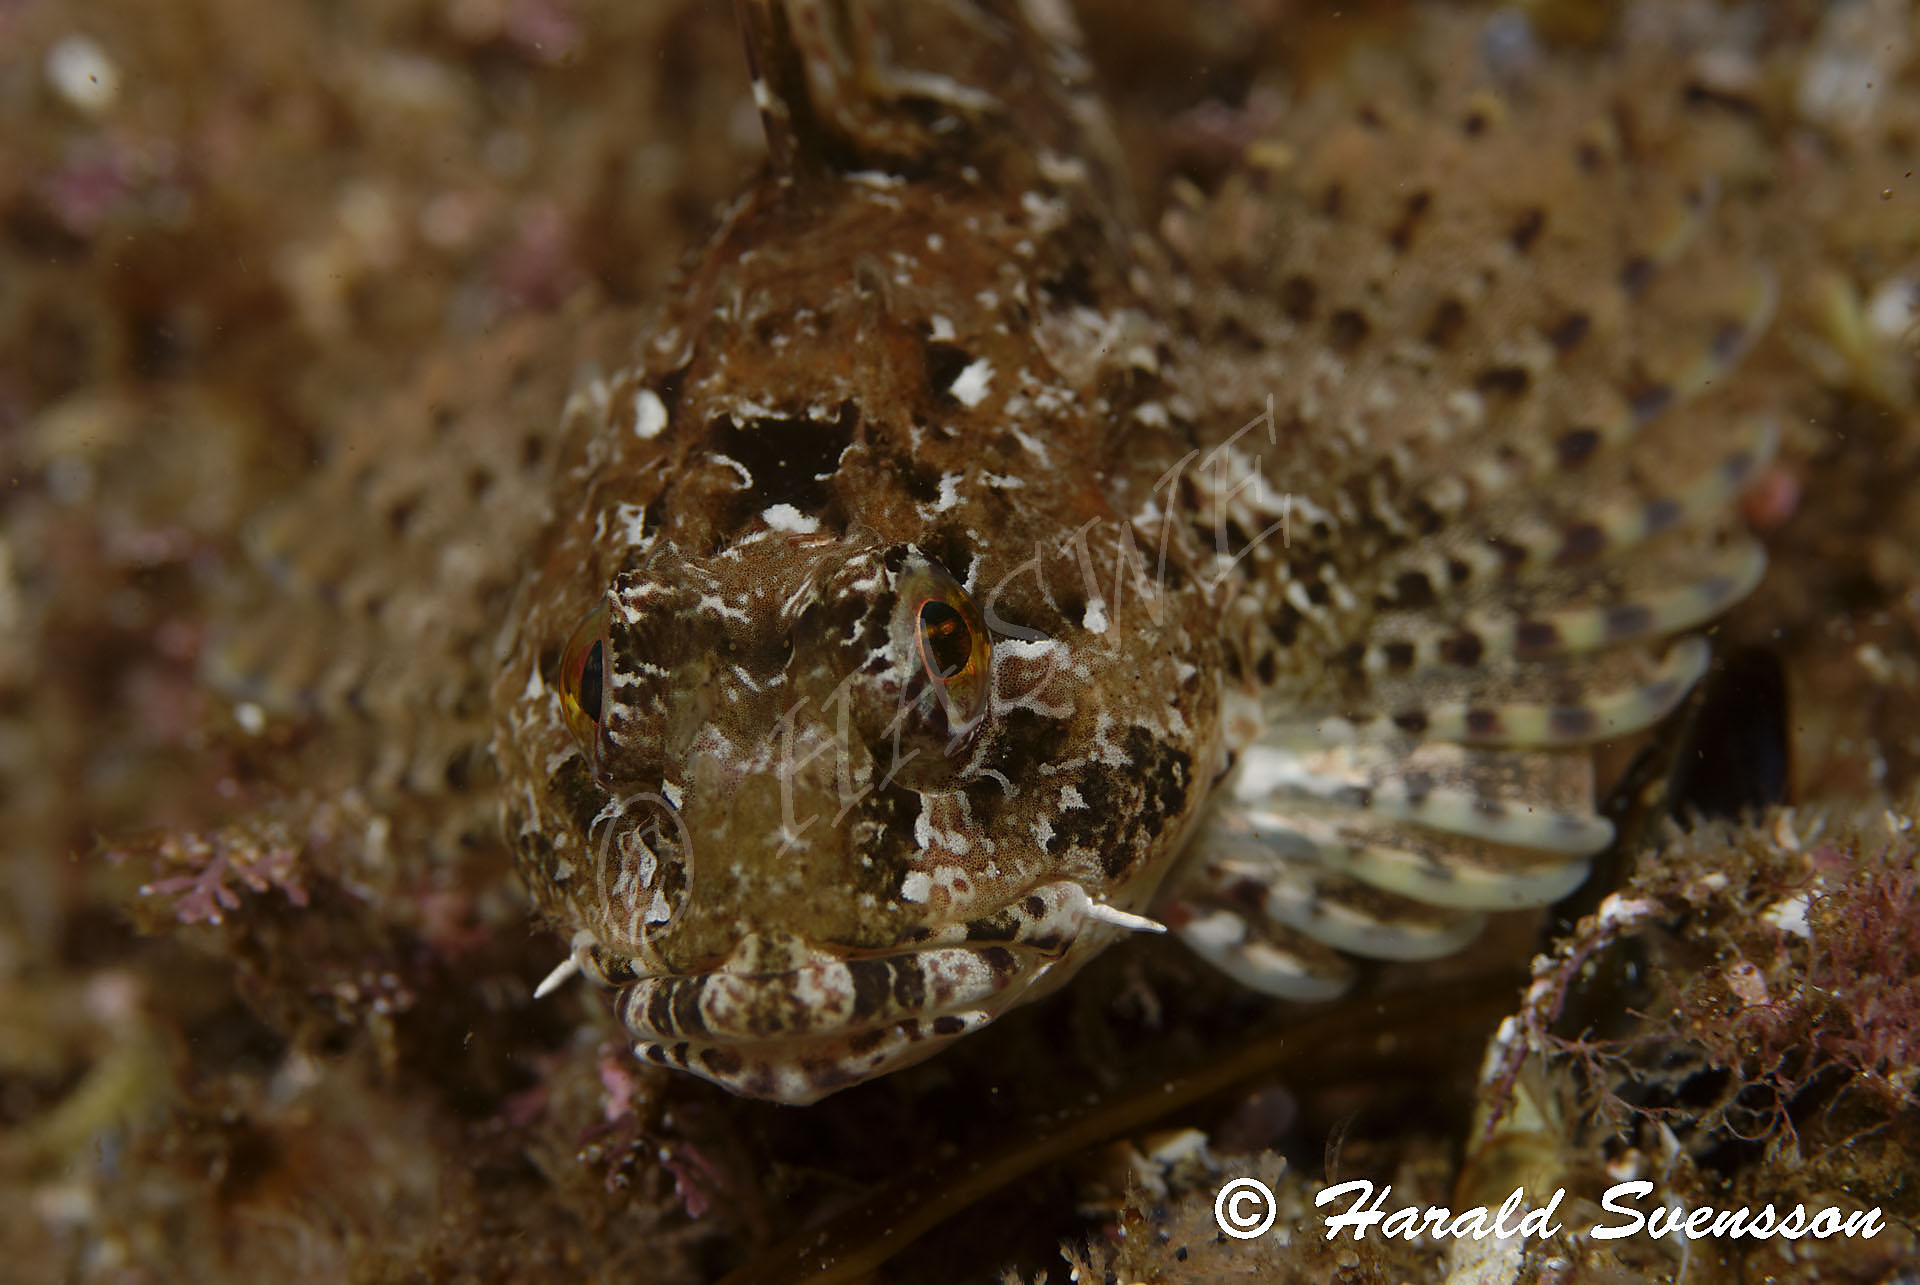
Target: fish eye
583 677
946 640
953 649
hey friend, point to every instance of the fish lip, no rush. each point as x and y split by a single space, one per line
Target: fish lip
799 1072
974 966
830 997
786 1037
796 1035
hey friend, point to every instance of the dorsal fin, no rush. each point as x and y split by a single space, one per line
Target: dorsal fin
834 95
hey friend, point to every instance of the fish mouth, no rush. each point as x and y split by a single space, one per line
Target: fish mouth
797 1034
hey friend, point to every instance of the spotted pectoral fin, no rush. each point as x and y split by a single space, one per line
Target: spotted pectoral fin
1391 850
1557 409
1564 656
1425 866
1530 799
1279 877
1260 954
373 590
1566 701
1618 505
1672 584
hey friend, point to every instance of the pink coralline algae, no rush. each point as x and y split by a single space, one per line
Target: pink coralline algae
213 864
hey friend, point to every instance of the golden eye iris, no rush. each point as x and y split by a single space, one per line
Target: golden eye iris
946 640
954 647
583 677
923 698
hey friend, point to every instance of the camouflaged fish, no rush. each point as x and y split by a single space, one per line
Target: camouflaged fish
974 571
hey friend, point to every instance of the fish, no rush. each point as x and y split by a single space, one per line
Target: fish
979 562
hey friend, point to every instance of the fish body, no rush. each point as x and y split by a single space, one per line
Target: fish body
971 565
865 746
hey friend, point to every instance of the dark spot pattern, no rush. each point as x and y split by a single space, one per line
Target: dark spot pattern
1650 401
1400 236
1536 637
1628 620
1463 649
909 987
1728 339
1573 722
1512 556
1566 333
1297 295
1581 542
721 1061
1576 446
1504 381
872 983
1413 589
790 460
1527 229
1347 329
1449 319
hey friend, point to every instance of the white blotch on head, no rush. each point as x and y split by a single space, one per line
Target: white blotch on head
746 478
1033 445
633 524
649 414
969 387
916 886
784 517
713 602
949 492
1046 213
1468 408
1070 798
